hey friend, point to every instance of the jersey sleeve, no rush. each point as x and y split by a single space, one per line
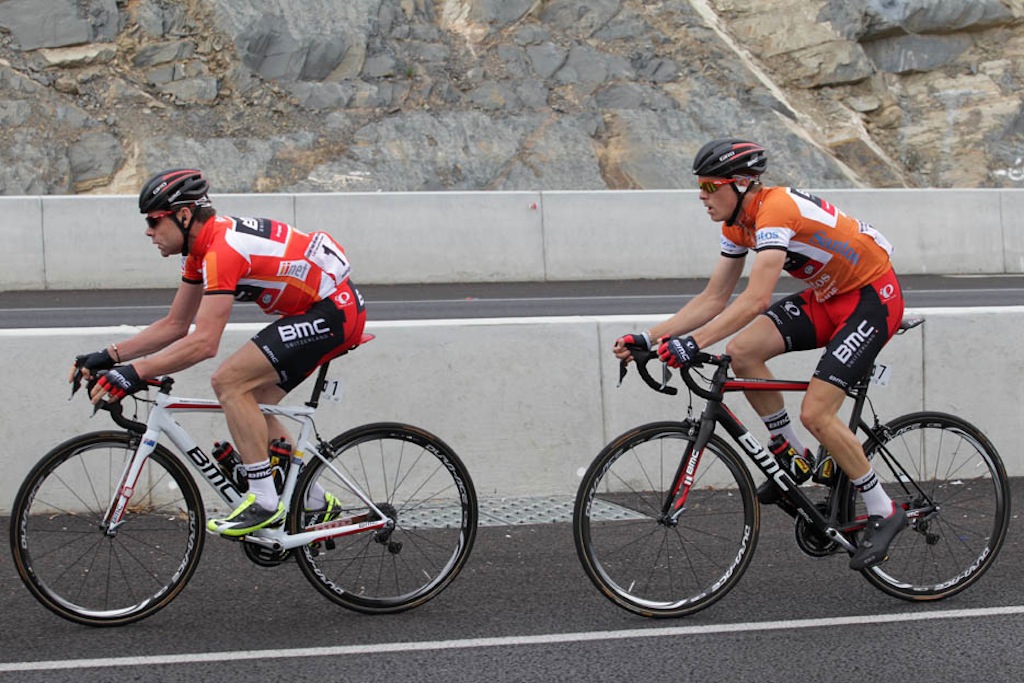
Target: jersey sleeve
733 243
774 238
223 267
191 270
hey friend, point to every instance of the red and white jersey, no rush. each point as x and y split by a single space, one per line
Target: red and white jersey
830 251
282 269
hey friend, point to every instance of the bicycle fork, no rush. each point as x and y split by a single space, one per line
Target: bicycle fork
114 516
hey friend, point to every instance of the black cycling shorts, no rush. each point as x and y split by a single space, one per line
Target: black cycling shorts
296 344
853 327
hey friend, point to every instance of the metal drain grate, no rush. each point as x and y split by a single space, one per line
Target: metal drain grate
431 517
543 510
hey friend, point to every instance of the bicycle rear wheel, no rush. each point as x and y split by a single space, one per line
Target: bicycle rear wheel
944 466
418 481
67 561
653 567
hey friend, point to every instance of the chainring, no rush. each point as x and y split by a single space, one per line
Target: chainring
812 541
265 557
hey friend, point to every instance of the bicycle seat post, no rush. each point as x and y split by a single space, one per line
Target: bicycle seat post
318 386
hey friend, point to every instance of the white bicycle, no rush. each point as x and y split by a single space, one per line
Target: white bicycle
109 526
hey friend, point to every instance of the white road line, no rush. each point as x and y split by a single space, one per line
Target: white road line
509 641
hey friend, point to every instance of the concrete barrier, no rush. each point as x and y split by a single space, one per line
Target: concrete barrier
98 242
527 403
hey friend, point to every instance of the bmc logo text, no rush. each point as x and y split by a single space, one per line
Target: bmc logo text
856 339
763 459
303 329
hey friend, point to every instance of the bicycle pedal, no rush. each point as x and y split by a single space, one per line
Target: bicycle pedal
226 538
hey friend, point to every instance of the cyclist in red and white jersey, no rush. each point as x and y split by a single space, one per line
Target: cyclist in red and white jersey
852 306
304 278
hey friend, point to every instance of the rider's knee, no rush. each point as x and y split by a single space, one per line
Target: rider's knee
735 350
221 383
815 418
744 355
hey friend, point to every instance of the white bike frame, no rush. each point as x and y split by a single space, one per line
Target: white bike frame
161 422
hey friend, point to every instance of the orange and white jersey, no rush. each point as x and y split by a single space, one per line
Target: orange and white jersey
282 269
830 251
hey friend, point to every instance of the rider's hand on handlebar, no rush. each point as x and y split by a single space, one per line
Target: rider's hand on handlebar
117 383
88 364
622 344
678 352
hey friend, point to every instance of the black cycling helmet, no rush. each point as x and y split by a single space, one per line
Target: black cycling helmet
173 189
729 157
170 189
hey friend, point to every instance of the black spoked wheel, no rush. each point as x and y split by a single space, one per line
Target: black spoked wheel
645 563
414 478
82 573
953 484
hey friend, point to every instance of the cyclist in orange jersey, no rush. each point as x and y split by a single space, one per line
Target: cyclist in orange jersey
304 278
852 306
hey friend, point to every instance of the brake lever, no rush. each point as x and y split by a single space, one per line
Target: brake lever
76 382
641 356
666 375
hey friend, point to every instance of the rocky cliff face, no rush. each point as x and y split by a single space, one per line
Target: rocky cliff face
406 95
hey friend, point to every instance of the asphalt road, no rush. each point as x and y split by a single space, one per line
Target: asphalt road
522 610
93 308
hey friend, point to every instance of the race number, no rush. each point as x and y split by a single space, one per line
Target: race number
333 389
881 374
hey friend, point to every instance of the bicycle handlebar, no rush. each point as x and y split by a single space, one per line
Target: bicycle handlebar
116 409
643 356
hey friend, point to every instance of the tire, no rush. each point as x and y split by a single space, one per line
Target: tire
67 561
422 484
951 463
650 567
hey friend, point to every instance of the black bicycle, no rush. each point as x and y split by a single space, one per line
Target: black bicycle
667 518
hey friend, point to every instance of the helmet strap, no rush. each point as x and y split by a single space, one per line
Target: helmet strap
185 229
740 195
739 204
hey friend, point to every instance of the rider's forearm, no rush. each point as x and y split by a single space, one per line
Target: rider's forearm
149 340
697 312
734 318
183 353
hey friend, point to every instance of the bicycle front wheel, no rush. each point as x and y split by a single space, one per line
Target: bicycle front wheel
68 561
415 479
945 469
641 560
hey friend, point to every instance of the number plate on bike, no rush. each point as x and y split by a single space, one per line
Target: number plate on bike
333 389
881 374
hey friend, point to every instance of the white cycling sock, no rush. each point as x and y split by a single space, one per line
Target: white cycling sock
779 423
877 501
261 484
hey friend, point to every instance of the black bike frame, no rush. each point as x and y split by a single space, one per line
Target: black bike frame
716 412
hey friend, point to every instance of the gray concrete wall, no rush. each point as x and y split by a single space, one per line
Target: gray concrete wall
99 242
527 403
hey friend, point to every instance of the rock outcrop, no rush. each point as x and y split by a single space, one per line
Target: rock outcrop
407 95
